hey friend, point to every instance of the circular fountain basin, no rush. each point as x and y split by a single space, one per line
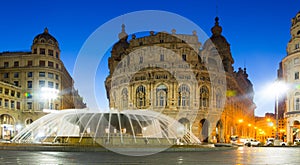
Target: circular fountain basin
130 127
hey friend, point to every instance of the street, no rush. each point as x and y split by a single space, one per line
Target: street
242 155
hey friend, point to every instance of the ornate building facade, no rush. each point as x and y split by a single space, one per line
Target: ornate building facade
178 76
290 74
33 81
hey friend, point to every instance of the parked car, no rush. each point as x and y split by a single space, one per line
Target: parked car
296 141
270 142
251 142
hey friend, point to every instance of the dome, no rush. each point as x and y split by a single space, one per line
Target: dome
45 37
130 127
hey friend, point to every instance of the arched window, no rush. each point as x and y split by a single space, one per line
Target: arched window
204 97
124 99
218 99
140 97
161 95
6 119
184 96
297 101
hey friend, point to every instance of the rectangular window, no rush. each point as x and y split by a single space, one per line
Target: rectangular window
18 105
57 55
42 74
141 59
162 57
0 102
56 85
6 75
29 63
6 103
29 84
6 91
29 105
42 51
297 46
50 64
42 63
12 104
18 94
1 89
296 75
6 64
12 93
16 75
29 74
35 51
57 66
50 75
41 83
56 77
16 63
16 83
50 52
184 57
50 84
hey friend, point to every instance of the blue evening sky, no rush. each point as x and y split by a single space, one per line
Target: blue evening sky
258 30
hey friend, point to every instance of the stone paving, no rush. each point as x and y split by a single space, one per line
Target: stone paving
242 155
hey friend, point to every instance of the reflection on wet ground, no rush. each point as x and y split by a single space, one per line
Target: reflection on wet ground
243 155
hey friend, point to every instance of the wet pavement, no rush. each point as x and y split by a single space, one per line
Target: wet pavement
242 155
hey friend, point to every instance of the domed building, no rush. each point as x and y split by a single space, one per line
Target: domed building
175 75
33 81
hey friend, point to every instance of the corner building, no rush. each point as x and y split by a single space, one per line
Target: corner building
177 76
290 74
33 81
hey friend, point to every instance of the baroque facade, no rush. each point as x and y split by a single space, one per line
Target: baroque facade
289 69
178 76
33 81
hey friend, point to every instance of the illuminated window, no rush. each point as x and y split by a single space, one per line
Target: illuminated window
184 96
204 97
140 97
161 95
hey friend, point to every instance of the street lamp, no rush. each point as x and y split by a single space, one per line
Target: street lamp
279 88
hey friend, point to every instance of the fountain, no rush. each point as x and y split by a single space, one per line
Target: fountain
130 127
